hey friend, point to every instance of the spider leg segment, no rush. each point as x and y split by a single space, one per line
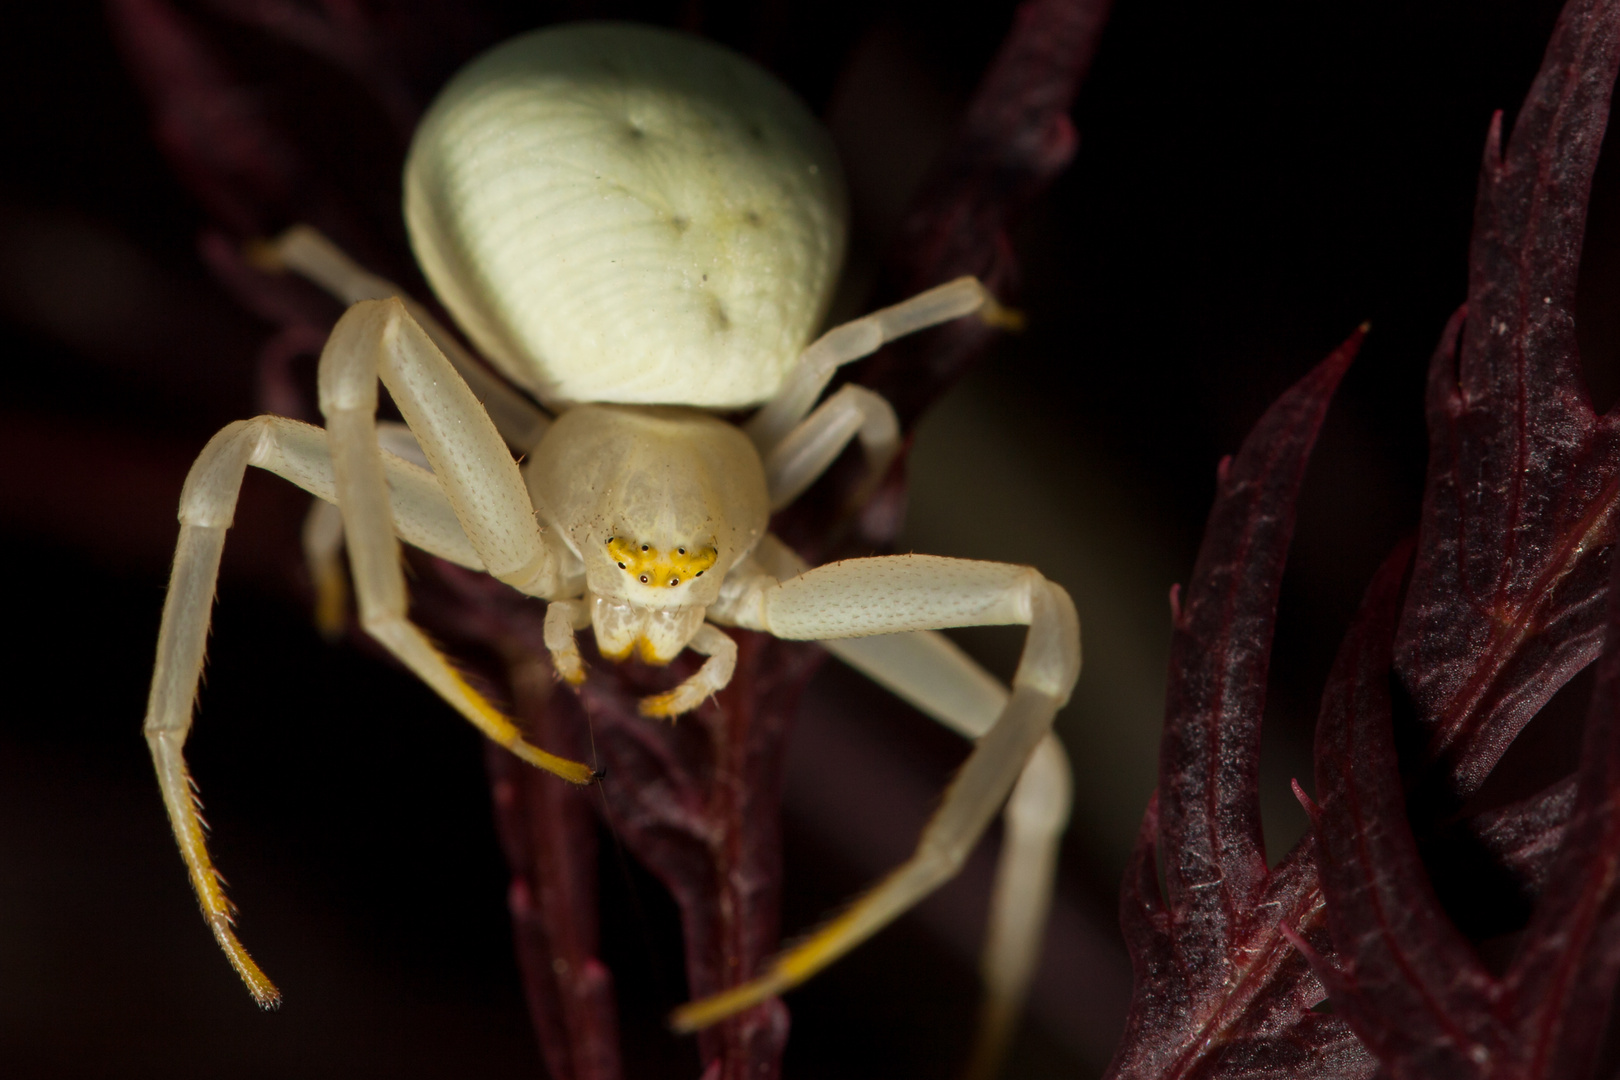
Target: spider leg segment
931 673
862 337
1026 873
309 253
471 465
564 620
809 448
709 679
892 595
297 452
322 535
936 677
322 540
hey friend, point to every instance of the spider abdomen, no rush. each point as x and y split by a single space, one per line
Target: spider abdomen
626 214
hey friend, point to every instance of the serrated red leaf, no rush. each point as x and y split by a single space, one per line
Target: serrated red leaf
1503 607
1563 978
1519 509
1406 979
1220 991
1489 869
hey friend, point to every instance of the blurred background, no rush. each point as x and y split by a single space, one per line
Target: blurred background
1252 182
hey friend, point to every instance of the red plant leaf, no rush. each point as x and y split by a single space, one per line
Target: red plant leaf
1219 989
1563 979
1489 869
1406 979
1505 604
1503 607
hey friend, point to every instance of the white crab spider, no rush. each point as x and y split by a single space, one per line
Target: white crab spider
636 226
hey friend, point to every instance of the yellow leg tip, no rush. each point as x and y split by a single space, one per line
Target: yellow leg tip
1002 318
258 983
331 604
264 255
574 772
786 971
665 706
504 732
694 1016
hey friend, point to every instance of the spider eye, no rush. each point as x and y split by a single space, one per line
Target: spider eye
643 547
612 538
681 550
621 566
698 574
644 579
674 581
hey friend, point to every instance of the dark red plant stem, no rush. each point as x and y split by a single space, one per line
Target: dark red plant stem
545 825
749 745
548 832
1015 138
213 129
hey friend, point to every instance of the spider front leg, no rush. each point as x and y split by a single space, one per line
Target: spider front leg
936 677
322 536
479 478
930 672
889 595
298 452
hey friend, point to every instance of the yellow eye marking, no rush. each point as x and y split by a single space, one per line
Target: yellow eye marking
660 567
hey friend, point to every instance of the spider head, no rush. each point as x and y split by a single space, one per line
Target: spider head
654 597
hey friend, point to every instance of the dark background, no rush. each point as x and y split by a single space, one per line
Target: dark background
1252 182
